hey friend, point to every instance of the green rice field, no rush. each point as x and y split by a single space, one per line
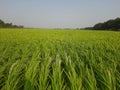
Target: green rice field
46 59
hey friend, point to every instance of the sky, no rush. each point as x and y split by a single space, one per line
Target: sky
58 13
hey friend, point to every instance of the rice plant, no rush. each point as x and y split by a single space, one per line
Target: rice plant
38 59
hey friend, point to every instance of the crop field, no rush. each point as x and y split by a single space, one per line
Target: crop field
43 59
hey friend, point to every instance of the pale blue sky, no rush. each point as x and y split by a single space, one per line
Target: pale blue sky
58 13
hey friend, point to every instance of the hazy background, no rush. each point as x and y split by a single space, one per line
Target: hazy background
58 13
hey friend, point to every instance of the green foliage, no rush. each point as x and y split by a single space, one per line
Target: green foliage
9 25
112 24
33 59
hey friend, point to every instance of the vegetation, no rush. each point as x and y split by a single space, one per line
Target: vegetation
9 25
113 24
32 59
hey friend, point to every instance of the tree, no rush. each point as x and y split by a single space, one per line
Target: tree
98 26
9 25
113 24
1 24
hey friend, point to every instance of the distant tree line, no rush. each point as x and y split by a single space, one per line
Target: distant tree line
9 25
113 24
